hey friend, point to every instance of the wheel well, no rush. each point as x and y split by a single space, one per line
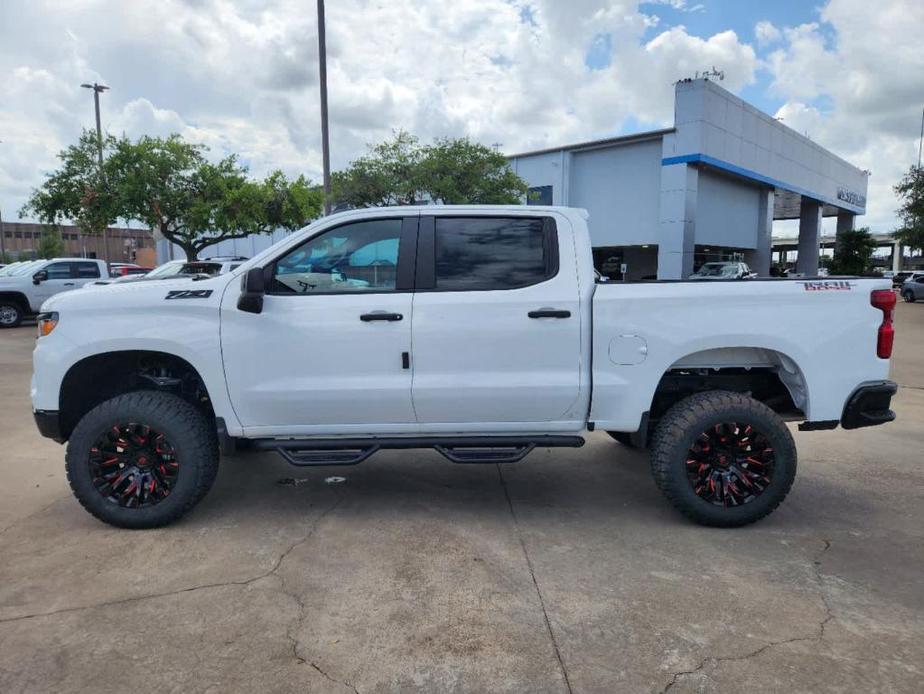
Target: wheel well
20 299
765 375
101 377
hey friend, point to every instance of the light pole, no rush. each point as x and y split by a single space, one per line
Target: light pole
2 235
325 144
97 89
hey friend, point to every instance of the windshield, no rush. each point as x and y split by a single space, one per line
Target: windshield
200 269
169 268
21 268
717 270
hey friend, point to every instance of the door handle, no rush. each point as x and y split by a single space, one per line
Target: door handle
68 284
549 313
380 315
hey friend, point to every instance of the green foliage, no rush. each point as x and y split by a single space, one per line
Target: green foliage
401 171
910 191
171 186
76 190
50 244
854 253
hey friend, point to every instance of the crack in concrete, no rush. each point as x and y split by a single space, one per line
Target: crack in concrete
819 636
532 573
190 589
331 679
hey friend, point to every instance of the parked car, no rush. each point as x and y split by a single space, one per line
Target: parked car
898 279
123 269
723 271
913 287
23 292
173 269
477 331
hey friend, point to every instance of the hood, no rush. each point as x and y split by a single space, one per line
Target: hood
138 295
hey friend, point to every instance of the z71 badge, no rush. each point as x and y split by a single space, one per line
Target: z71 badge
827 286
189 294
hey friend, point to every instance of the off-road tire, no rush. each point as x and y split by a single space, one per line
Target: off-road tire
188 430
685 421
908 296
13 311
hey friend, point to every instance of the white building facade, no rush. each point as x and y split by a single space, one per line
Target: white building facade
663 202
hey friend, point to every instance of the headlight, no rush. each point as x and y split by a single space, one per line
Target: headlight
46 323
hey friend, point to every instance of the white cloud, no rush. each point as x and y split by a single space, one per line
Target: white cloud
241 76
854 83
767 34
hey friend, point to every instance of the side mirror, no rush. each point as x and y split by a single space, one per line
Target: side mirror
40 277
253 287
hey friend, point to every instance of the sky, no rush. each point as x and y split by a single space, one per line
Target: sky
241 76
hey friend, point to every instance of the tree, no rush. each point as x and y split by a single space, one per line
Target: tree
171 186
854 253
910 191
75 192
50 244
462 172
401 171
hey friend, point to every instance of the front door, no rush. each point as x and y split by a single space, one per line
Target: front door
497 322
329 352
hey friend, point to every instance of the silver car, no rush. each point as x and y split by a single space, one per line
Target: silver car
913 288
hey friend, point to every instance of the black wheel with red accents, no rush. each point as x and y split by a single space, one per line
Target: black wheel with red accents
142 459
723 458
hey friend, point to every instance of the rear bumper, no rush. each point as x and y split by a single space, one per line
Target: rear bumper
48 424
869 405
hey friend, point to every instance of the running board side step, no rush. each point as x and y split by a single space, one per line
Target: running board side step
459 449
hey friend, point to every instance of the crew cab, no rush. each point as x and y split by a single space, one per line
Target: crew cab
479 331
26 288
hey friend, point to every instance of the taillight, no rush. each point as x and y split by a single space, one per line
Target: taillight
884 300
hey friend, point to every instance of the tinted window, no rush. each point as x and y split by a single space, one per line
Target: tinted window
485 253
59 271
85 270
358 257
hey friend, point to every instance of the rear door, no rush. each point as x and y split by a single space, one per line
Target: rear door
61 276
496 332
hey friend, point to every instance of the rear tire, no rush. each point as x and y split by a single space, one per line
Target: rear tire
908 296
10 313
156 441
739 444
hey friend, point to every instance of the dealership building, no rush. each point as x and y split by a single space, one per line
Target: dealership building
663 202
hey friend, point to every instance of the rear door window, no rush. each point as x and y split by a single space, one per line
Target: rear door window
86 270
488 253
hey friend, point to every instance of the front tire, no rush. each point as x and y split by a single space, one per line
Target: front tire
141 460
10 314
908 296
723 459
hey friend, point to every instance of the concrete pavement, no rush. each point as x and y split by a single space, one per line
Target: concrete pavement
566 573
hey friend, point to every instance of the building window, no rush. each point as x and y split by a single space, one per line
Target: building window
539 195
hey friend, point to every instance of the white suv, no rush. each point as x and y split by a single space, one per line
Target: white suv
25 289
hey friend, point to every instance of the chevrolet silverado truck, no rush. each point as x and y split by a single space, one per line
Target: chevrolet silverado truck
27 287
481 332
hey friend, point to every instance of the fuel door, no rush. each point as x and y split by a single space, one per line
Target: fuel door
628 350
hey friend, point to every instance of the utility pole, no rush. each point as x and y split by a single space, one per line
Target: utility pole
2 235
325 141
97 88
921 140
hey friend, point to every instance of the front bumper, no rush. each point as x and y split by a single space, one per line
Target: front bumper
48 424
869 405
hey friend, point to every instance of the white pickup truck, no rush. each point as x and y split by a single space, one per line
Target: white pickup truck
480 332
28 285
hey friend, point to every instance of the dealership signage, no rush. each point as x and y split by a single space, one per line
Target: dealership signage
851 197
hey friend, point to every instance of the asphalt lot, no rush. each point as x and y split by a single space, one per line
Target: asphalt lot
567 572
